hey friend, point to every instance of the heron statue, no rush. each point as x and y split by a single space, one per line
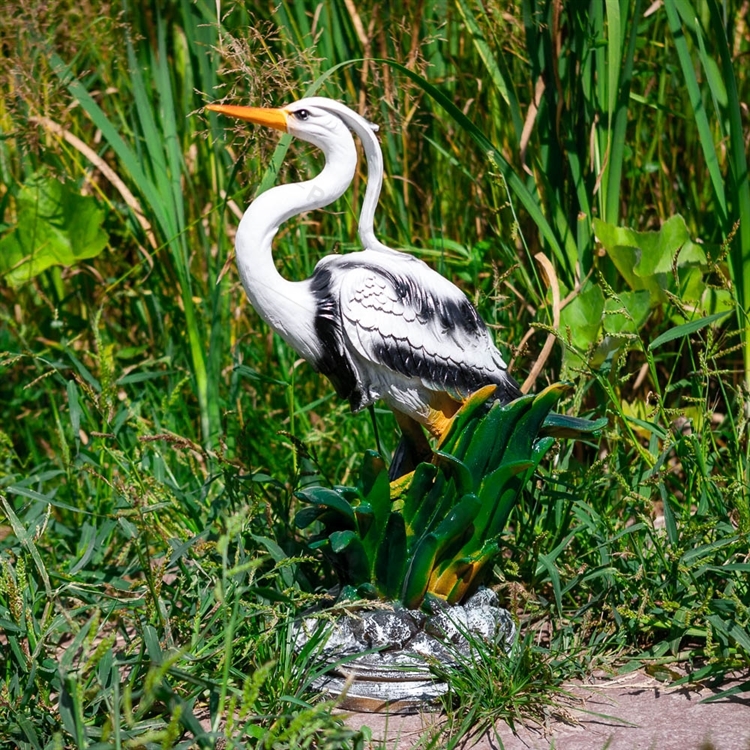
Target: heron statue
378 323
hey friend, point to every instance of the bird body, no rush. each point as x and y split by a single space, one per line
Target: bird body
397 330
379 323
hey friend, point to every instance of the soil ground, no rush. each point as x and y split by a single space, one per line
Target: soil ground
634 712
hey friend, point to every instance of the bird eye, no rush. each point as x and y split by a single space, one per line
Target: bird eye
302 114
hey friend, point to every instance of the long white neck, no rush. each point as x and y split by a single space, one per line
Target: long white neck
366 132
375 171
289 307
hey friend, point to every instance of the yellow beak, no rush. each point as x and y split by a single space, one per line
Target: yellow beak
273 118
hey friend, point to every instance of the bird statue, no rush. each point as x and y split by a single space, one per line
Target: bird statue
379 323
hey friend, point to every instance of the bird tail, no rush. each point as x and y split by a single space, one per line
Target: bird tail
507 389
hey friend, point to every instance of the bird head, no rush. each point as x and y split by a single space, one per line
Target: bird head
326 123
317 120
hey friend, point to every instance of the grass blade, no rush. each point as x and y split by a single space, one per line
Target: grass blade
619 118
504 87
516 184
739 253
732 630
699 111
686 329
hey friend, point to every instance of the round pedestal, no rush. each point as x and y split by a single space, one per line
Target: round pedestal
380 657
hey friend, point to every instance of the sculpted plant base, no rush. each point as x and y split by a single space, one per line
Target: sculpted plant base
435 531
386 653
425 540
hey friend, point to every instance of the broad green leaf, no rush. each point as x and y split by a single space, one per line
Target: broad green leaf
526 431
465 418
628 313
561 425
464 570
583 316
437 502
390 565
328 498
308 516
491 492
420 569
491 436
456 523
507 498
508 418
56 227
365 516
440 535
355 562
645 259
367 591
372 466
421 483
457 471
379 500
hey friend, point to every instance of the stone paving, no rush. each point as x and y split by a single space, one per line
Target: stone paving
634 712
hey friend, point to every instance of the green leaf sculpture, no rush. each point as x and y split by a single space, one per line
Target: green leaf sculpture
55 226
433 532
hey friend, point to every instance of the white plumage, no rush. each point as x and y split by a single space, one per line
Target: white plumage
379 323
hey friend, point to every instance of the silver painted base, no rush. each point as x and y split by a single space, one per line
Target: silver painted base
380 657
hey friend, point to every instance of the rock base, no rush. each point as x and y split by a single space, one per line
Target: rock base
379 658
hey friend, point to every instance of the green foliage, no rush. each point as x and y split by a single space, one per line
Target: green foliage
433 533
144 616
55 226
488 686
721 84
665 263
144 408
673 577
673 582
601 53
